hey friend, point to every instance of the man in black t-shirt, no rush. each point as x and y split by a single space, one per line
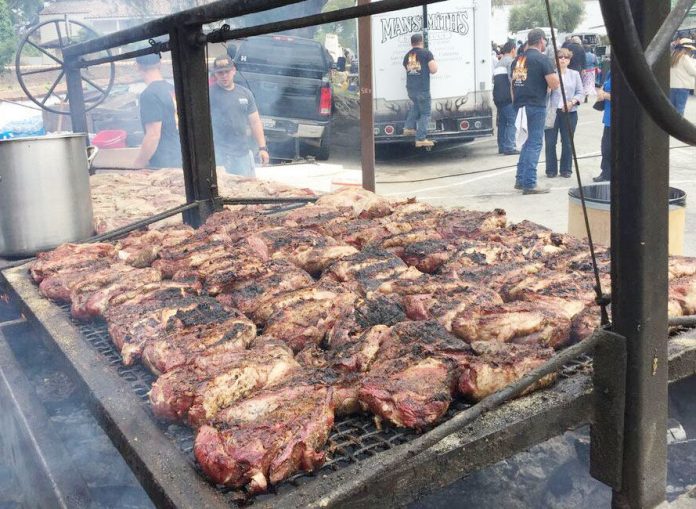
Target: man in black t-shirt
419 64
532 76
161 147
235 119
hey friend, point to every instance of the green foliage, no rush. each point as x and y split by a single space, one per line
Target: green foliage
8 39
566 15
346 30
23 12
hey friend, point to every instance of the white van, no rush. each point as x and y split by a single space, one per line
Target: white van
461 90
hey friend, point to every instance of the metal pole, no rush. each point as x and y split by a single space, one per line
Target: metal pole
425 26
639 219
194 17
76 98
367 135
195 128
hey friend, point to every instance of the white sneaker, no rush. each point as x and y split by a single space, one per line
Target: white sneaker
409 132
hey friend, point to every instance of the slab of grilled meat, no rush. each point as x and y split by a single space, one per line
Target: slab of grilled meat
197 391
141 248
495 276
70 257
158 291
427 256
369 268
132 325
206 329
305 317
268 437
361 232
412 392
190 254
281 277
519 322
57 286
469 224
315 217
475 253
362 203
496 365
90 298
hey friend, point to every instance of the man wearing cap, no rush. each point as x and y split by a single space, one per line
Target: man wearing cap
234 117
161 147
532 76
419 64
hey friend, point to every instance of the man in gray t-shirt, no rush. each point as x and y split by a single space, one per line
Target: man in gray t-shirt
234 117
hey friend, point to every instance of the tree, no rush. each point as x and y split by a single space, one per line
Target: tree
566 15
8 39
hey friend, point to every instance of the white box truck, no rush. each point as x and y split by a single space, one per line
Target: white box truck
458 36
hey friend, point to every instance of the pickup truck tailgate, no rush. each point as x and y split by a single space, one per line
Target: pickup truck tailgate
284 96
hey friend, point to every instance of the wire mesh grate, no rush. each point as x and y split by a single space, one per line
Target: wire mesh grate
353 438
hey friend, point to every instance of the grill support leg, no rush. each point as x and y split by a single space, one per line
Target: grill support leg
639 219
195 128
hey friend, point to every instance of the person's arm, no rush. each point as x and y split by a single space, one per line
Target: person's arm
257 132
432 66
579 92
153 132
552 81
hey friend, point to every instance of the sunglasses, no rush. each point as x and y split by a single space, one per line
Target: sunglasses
563 58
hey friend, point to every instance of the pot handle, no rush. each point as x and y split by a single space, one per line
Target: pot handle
92 152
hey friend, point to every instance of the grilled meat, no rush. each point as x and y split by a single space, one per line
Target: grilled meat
197 391
70 257
315 216
141 248
427 256
91 297
495 365
361 203
469 224
306 319
369 268
281 277
190 254
268 437
206 329
518 322
132 325
57 286
409 392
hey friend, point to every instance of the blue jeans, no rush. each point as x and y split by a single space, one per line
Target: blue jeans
529 155
678 97
551 138
506 128
418 116
238 164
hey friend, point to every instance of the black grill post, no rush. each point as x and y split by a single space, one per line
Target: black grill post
639 218
195 129
76 97
367 134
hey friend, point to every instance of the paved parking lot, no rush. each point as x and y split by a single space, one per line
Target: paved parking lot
473 175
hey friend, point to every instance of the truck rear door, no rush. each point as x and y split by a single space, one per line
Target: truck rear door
285 75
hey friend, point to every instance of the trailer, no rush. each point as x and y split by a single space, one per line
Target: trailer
458 35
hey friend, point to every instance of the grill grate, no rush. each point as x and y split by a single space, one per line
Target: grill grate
353 438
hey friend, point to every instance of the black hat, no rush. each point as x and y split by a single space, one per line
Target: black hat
148 60
223 63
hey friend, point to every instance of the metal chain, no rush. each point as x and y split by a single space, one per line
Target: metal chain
601 299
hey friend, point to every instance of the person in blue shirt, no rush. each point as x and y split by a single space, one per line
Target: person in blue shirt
605 95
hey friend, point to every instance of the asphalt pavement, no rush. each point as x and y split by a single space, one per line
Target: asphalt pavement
474 176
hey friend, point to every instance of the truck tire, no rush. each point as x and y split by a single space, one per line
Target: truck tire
325 147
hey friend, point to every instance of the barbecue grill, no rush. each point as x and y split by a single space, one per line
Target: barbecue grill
161 454
362 470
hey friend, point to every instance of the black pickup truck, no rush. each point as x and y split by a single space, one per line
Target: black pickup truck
289 77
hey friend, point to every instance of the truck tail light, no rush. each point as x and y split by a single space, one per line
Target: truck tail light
464 125
325 101
389 130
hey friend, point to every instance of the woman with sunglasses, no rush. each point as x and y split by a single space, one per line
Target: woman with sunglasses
564 113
